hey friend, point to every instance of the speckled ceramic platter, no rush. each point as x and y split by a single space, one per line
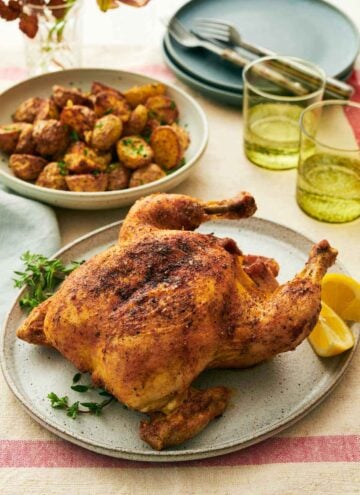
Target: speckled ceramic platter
191 115
266 399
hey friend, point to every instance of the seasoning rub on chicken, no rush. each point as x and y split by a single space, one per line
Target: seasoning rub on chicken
148 315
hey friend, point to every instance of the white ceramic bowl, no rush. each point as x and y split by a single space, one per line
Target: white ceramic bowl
191 115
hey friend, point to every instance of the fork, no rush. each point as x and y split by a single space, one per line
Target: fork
227 33
188 39
183 36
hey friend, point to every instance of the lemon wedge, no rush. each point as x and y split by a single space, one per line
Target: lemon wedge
342 294
331 335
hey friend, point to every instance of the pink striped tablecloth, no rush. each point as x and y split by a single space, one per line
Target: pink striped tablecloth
318 455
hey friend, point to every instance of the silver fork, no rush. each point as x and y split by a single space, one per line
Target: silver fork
188 39
227 33
183 36
214 29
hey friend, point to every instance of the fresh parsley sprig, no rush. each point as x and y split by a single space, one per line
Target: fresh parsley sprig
41 276
74 409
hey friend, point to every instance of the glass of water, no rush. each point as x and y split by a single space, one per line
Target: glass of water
274 98
328 182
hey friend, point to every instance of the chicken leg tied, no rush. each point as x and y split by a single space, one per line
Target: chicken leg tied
281 321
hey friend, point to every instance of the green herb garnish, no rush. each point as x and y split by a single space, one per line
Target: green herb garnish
41 276
109 110
86 151
172 105
63 168
112 166
74 136
73 410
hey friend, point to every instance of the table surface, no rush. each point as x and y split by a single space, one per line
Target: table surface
320 454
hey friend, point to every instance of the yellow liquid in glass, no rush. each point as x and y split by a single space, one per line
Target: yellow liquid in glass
272 135
328 187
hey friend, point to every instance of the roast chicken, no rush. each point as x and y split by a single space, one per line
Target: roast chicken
149 314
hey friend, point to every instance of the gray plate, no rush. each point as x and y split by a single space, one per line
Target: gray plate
267 398
222 95
310 29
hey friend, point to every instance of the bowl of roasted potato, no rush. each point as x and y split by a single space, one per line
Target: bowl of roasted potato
97 138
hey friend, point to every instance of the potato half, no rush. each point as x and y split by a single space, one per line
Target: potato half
50 136
137 95
79 118
167 147
9 136
147 174
162 108
134 152
63 95
52 177
107 131
27 110
26 167
119 177
87 182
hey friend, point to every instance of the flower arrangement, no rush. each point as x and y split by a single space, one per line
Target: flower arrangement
23 10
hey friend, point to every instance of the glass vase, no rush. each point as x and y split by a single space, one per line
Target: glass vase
57 43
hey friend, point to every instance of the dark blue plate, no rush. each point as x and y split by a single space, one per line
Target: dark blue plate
310 29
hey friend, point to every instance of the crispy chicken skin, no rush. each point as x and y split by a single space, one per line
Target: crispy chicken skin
149 314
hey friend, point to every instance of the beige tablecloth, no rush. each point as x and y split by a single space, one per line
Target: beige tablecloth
318 455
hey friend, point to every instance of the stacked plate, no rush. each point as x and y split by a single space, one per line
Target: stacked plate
309 29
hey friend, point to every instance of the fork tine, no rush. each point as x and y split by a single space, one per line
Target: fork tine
211 34
212 30
221 25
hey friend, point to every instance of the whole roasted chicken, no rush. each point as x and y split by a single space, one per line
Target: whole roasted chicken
148 315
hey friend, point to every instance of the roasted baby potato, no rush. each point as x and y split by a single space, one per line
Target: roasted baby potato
47 110
81 159
62 95
134 152
166 146
98 87
119 177
79 118
137 121
26 111
52 177
26 143
146 174
111 103
9 136
163 109
50 136
137 95
150 127
183 136
26 167
107 131
87 182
